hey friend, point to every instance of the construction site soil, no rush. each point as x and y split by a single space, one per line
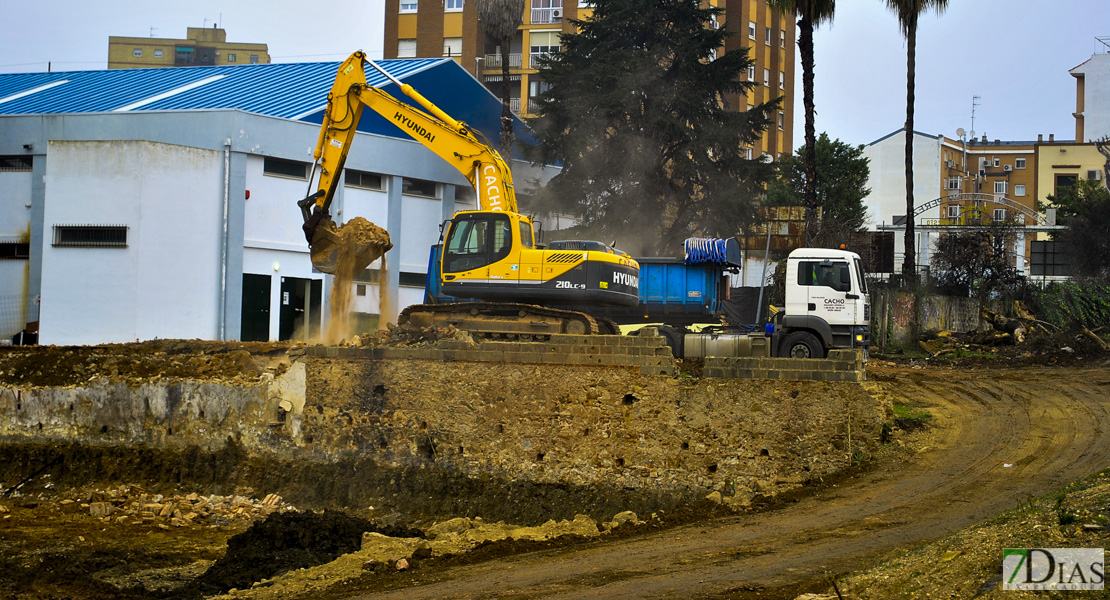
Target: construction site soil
1001 428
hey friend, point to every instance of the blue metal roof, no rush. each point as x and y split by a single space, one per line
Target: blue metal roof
285 90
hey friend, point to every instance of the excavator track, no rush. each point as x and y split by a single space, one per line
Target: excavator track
501 319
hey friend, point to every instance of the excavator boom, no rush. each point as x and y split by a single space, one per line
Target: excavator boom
452 140
487 254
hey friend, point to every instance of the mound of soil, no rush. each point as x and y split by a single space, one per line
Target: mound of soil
60 366
286 542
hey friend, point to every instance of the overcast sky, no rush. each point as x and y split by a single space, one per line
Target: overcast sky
1014 54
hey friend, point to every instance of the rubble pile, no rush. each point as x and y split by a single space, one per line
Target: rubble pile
411 335
1020 337
131 504
143 362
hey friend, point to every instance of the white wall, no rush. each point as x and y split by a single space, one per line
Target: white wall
271 218
888 182
1096 100
15 226
165 283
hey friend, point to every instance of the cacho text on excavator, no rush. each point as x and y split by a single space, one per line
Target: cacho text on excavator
489 256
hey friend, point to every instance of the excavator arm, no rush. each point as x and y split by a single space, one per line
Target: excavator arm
450 139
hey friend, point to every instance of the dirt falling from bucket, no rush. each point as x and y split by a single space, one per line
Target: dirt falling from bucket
387 313
362 243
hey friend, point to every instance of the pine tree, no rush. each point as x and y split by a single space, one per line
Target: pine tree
842 172
639 113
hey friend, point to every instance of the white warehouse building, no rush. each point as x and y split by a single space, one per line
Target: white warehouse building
161 203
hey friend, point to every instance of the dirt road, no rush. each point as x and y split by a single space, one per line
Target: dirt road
1001 436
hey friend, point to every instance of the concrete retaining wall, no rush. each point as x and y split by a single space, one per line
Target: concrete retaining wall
900 317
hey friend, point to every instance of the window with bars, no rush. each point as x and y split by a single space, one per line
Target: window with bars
90 236
15 163
14 249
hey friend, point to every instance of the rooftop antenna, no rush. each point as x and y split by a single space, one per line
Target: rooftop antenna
1105 41
152 30
974 105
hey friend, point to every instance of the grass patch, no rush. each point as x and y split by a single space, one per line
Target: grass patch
910 418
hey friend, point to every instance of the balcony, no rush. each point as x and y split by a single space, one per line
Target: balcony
534 58
493 61
514 105
545 16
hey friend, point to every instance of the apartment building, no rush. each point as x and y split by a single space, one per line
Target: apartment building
1092 94
987 181
450 28
202 46
958 184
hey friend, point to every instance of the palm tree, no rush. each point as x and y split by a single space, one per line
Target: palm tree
501 19
908 12
810 14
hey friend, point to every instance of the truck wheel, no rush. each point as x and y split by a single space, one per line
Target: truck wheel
801 344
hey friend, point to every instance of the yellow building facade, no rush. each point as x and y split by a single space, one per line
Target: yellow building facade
201 46
1061 164
987 181
450 28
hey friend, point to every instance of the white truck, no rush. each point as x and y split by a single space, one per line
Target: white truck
827 307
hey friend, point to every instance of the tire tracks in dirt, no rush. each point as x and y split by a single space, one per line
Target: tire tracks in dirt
1049 425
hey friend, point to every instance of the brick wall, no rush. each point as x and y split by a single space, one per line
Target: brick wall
841 365
648 352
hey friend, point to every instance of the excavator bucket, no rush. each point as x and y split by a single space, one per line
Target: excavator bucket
324 247
347 250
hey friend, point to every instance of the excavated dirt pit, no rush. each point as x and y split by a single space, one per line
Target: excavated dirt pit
55 544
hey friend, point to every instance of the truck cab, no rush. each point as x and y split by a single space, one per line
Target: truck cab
827 305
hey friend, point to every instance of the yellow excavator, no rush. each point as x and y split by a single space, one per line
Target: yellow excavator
489 254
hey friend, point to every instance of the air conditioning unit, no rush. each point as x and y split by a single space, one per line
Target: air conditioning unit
1007 168
1097 175
556 14
950 164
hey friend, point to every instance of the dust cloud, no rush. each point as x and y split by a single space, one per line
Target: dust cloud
361 243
